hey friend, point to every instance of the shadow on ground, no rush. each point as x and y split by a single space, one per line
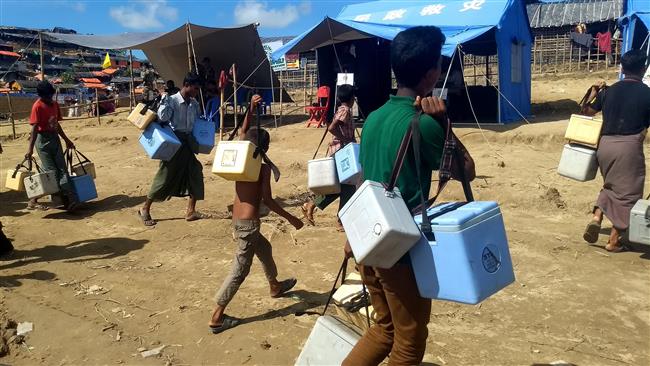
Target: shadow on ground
79 251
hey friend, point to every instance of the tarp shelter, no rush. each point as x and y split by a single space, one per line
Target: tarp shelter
168 51
636 23
480 27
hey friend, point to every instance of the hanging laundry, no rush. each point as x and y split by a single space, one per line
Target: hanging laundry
604 41
582 39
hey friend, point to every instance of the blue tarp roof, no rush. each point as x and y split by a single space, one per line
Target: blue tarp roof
636 11
460 21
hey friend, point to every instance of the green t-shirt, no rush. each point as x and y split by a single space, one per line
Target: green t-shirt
381 137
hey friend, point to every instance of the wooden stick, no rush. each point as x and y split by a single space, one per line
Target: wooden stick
11 116
196 65
40 42
281 106
234 90
221 113
99 121
189 50
131 83
304 84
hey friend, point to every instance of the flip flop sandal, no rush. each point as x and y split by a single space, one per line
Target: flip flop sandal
37 206
305 212
591 232
616 248
228 323
194 217
356 303
285 286
146 219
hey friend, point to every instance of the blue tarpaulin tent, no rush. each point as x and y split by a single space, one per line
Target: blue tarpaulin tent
636 23
482 27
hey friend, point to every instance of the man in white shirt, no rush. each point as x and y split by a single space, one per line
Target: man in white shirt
181 176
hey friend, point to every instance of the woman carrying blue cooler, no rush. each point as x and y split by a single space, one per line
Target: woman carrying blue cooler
182 175
342 130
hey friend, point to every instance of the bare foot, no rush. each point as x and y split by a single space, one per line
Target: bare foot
308 210
193 216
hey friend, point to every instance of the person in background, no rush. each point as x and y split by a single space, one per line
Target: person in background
45 133
626 117
206 71
170 87
342 130
5 243
182 176
246 223
402 314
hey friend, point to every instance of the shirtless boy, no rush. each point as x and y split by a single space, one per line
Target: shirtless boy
251 242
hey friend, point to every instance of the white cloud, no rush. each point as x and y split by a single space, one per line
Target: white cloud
144 14
79 7
252 11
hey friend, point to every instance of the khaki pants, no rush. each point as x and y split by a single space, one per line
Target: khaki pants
250 243
402 317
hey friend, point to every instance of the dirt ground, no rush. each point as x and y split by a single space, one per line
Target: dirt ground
99 287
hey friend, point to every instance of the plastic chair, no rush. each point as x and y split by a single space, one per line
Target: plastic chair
318 114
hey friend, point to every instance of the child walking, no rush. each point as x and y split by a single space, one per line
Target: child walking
246 224
342 130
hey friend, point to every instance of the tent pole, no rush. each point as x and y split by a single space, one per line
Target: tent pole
11 115
99 121
131 93
40 47
196 65
275 119
221 114
189 51
234 90
281 106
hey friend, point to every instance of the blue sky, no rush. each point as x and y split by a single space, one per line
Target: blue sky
109 17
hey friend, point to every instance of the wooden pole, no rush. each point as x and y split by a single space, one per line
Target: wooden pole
131 83
570 55
557 49
11 116
99 121
40 47
304 84
221 112
281 106
311 89
189 50
234 90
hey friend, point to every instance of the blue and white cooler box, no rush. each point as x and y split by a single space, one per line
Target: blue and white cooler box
468 260
84 187
203 132
348 166
160 142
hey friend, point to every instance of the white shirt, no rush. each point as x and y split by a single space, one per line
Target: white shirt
179 113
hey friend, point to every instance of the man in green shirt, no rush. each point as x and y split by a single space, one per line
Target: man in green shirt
402 315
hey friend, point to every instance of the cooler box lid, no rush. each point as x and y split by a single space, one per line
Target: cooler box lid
455 216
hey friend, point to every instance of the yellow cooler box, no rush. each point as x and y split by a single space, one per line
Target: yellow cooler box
584 130
234 161
16 179
142 116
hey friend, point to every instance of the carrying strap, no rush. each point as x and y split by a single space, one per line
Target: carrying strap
18 166
342 270
416 136
320 143
81 158
451 154
401 154
33 161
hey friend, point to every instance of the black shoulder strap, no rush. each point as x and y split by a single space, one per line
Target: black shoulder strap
344 265
321 142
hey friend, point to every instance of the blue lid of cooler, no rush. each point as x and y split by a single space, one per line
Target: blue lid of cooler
459 215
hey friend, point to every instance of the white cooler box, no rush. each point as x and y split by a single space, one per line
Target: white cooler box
578 162
378 225
329 343
639 230
41 184
322 177
234 161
